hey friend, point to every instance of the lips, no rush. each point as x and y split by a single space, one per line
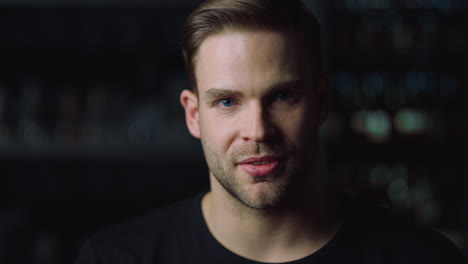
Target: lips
260 166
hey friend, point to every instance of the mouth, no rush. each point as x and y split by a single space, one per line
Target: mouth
260 166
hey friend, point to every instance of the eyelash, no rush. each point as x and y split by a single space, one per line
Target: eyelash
219 101
291 96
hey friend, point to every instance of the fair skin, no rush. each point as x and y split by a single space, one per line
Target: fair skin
257 113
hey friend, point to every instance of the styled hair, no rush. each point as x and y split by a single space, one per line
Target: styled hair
216 16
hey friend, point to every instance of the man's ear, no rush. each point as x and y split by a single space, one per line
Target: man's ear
325 97
189 101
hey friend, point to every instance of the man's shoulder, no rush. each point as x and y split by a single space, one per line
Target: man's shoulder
376 220
150 227
390 234
145 239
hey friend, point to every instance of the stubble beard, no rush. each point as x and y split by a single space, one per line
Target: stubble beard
277 187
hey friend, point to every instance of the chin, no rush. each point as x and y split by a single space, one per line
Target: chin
262 196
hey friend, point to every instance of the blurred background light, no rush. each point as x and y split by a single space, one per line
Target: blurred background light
345 84
402 39
378 126
380 175
412 121
443 5
398 191
358 120
373 84
375 124
420 82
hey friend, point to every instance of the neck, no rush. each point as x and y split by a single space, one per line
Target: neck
291 231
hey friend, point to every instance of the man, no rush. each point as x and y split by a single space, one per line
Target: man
257 100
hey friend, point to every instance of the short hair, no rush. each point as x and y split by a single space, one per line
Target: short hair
217 16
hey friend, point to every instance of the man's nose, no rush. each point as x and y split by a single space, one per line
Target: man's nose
256 124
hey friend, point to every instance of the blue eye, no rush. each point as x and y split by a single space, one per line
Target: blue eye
227 102
283 96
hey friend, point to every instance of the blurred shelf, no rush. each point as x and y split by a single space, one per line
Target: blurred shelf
98 3
428 153
163 152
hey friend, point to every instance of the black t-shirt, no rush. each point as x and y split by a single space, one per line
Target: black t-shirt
179 234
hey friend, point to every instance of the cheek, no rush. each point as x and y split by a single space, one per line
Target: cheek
218 132
294 124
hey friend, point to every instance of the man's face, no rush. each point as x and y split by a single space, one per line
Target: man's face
257 113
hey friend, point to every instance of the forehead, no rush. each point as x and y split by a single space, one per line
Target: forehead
248 59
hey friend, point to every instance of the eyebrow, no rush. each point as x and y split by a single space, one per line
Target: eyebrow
216 93
281 86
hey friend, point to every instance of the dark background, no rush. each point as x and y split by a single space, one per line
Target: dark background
91 130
